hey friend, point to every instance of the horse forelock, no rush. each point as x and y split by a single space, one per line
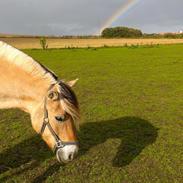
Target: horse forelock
69 101
68 93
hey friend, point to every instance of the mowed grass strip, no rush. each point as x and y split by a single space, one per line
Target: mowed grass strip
131 127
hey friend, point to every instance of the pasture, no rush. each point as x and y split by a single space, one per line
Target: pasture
31 42
131 129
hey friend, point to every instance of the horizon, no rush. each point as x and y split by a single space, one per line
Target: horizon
87 35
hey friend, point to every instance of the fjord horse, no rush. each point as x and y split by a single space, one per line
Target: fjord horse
52 104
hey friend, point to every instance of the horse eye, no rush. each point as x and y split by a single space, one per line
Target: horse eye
53 95
60 118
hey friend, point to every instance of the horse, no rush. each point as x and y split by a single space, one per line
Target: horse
52 104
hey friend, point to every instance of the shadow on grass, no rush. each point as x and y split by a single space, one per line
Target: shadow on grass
22 157
134 132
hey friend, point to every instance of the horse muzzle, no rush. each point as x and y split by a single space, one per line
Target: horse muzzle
67 153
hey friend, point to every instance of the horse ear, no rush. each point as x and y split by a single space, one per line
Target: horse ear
72 83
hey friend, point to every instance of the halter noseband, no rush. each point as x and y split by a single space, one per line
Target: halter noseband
59 143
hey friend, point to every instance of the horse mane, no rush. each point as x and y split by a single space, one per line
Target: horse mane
25 62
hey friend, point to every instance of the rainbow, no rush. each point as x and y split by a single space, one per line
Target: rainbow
121 11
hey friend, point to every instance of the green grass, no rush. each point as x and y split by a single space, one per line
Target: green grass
132 121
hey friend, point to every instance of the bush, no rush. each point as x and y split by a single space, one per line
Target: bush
43 43
119 32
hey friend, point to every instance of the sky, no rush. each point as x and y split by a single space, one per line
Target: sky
87 17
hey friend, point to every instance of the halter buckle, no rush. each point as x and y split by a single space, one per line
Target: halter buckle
59 144
46 120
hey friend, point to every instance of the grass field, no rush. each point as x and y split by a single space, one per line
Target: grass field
132 124
28 43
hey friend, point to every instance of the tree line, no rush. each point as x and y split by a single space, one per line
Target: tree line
126 32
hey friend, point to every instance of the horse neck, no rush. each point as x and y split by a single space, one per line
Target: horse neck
19 89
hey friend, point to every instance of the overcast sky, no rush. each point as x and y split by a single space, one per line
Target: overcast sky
83 17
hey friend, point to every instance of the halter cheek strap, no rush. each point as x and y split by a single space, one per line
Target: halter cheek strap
59 143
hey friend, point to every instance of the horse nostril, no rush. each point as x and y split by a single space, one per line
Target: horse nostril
71 156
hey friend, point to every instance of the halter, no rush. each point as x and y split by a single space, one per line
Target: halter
59 143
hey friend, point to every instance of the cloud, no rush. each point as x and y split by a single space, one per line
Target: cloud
73 17
155 16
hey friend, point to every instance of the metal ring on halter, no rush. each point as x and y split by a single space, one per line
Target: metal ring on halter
59 143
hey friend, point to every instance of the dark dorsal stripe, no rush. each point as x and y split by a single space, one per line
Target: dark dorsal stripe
49 71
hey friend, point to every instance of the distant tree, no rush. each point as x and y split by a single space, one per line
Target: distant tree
172 35
153 35
43 43
119 32
165 35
